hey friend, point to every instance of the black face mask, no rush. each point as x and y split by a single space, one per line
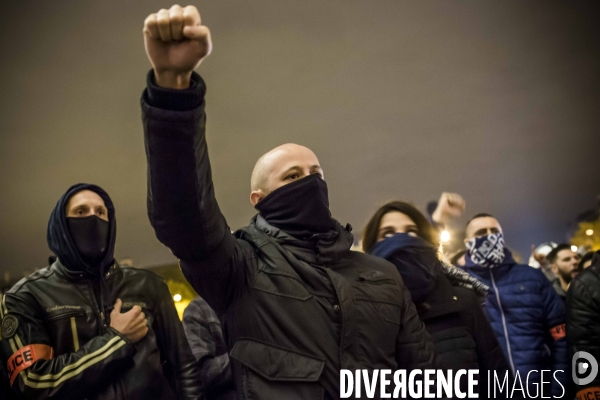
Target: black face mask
299 208
416 261
90 235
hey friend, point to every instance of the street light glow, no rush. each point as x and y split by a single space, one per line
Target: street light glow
445 236
589 232
177 297
574 249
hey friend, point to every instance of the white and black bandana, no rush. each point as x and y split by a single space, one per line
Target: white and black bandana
487 251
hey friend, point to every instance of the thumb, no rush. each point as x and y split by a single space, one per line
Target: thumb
196 32
117 306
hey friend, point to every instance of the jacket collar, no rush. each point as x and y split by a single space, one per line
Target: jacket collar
113 271
321 248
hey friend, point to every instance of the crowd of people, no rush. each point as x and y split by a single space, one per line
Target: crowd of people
284 303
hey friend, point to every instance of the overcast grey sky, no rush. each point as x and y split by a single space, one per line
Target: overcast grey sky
399 99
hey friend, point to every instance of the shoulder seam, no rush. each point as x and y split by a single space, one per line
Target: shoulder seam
28 279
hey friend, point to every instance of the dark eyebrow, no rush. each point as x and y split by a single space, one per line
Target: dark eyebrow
291 169
391 227
383 228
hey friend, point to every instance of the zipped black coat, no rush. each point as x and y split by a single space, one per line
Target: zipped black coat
583 321
291 322
462 334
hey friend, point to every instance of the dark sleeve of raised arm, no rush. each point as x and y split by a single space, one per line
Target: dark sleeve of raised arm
181 200
35 373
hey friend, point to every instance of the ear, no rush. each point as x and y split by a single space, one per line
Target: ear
256 196
554 268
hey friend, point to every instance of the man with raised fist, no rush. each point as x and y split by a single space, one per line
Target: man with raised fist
84 327
295 303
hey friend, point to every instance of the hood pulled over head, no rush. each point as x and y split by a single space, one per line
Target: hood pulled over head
79 255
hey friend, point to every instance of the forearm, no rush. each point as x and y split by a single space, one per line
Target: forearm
181 202
74 375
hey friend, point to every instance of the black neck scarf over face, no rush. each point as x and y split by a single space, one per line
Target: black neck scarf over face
416 260
90 235
300 208
85 254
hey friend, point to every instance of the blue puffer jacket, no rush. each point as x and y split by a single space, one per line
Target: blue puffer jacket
528 318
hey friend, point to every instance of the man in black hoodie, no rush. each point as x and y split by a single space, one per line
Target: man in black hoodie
86 328
295 304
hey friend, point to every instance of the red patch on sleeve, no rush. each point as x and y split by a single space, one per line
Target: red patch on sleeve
558 332
25 357
592 393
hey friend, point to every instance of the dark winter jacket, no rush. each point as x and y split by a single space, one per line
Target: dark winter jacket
528 318
291 323
452 313
203 331
461 332
583 323
57 338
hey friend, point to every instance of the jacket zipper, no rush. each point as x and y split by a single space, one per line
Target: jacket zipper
100 315
512 365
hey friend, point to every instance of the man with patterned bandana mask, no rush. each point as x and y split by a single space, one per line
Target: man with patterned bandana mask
525 312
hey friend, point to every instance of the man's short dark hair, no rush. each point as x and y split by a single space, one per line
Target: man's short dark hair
551 257
480 215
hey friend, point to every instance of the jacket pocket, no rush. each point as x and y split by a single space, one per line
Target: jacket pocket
389 312
65 314
281 285
273 373
66 324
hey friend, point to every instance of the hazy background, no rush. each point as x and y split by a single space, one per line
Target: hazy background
496 100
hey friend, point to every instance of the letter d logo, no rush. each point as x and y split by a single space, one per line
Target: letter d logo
590 365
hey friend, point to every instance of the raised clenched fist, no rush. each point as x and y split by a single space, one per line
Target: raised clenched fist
176 43
450 205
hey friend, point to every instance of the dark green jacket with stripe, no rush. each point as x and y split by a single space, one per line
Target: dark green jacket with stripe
58 343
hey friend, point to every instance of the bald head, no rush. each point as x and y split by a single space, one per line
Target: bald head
280 166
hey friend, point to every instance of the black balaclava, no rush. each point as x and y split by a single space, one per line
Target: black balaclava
300 208
78 242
